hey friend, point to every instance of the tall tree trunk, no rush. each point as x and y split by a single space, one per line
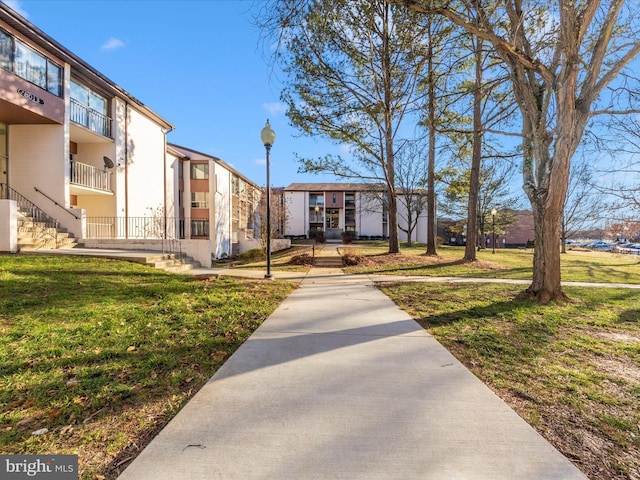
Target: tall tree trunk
431 189
546 285
547 186
409 225
394 241
476 159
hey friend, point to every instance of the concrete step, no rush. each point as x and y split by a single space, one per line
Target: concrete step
26 232
44 243
328 262
185 267
38 236
172 264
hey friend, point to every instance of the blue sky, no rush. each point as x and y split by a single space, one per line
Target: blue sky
197 63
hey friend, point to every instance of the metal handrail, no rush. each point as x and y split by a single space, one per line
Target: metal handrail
39 218
173 246
56 203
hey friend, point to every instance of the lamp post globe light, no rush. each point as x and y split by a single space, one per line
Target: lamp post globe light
268 136
493 229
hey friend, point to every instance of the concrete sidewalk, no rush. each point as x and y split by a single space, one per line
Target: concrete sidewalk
339 383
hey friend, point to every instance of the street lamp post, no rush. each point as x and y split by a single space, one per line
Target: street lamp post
493 229
268 136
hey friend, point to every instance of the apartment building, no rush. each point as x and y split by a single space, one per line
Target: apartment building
78 153
336 208
215 203
74 145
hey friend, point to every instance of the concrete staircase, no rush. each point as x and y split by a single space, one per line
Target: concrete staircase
328 257
172 262
38 236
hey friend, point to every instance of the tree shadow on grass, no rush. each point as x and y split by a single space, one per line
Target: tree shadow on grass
495 309
434 269
630 316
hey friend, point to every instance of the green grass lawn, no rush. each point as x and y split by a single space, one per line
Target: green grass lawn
572 371
577 266
103 353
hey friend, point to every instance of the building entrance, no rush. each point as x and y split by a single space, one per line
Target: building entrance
332 218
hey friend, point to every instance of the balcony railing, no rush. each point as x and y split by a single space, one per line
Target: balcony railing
131 227
91 119
144 227
90 177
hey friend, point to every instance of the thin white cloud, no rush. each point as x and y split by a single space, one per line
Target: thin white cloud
260 161
345 149
15 6
113 44
275 108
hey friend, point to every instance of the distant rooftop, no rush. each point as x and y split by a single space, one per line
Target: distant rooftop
334 187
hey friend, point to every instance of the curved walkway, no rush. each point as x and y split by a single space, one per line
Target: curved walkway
339 383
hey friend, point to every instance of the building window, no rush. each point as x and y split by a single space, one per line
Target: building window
6 51
199 199
89 109
350 217
199 171
316 199
349 200
199 228
30 65
87 97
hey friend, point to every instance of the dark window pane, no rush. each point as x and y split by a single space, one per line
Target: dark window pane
199 171
6 51
30 65
54 76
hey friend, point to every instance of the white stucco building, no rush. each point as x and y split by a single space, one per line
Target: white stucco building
79 153
216 204
334 208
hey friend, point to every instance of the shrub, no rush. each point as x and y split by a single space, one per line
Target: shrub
252 255
302 259
350 259
348 237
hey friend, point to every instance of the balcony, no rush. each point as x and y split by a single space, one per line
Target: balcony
90 119
90 177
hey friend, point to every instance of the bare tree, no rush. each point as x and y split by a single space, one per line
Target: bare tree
493 192
583 206
561 55
411 177
620 184
353 71
279 216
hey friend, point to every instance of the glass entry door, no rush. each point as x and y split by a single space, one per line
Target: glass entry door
332 218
